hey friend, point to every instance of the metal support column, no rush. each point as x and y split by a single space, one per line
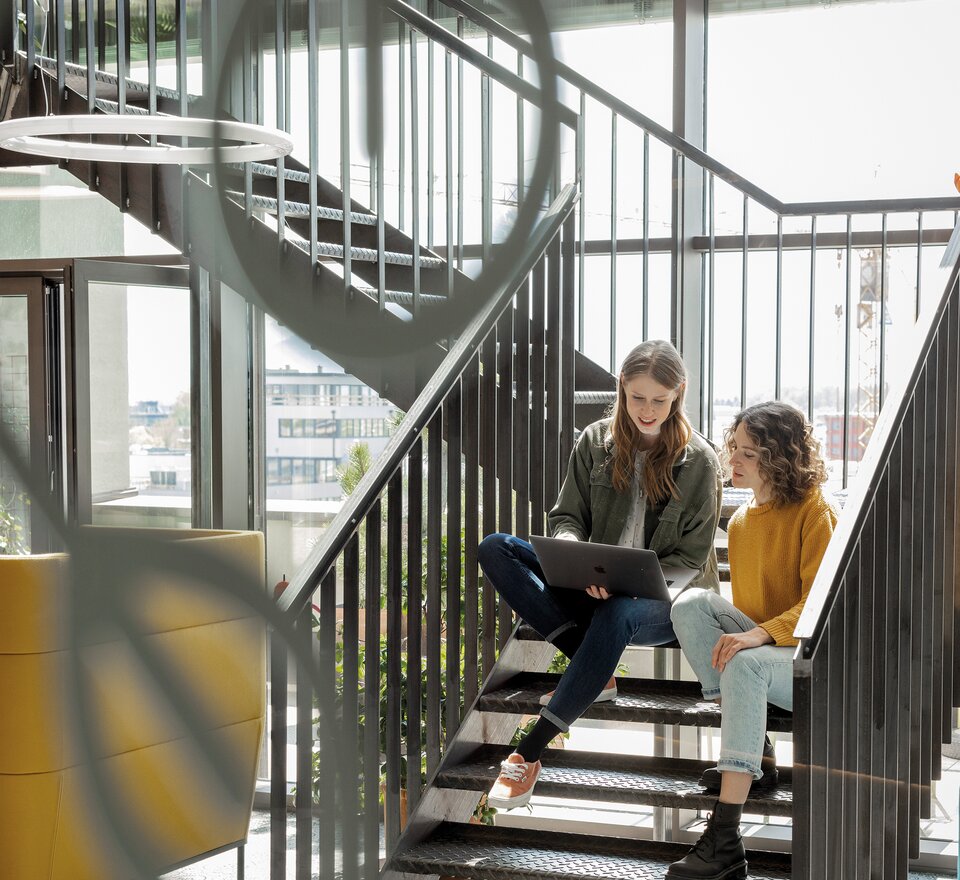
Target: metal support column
689 86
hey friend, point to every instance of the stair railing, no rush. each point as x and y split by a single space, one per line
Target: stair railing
762 267
403 647
877 671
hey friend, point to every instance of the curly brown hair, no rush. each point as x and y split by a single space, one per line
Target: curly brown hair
665 366
790 460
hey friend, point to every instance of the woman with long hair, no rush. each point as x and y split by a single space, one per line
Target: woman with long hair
742 653
641 478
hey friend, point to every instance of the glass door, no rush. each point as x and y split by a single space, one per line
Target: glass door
132 331
26 414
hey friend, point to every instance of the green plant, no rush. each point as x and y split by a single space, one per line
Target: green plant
12 534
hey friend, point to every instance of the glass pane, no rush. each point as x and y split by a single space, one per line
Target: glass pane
15 419
140 469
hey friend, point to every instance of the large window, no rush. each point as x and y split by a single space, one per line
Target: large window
843 100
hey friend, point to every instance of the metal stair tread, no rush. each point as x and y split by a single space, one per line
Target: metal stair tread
301 209
640 700
326 249
497 853
614 778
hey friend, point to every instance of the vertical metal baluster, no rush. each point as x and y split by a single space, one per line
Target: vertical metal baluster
521 412
813 301
613 243
280 57
486 159
883 312
102 34
552 463
711 320
371 696
122 73
567 349
918 466
870 616
152 108
949 383
381 214
304 754
646 235
350 777
180 37
453 573
488 465
538 503
331 762
93 177
744 303
278 757
62 50
847 325
470 385
434 531
582 221
415 168
75 29
431 188
778 346
402 124
910 635
919 263
31 27
415 549
247 99
345 166
460 199
448 167
521 143
504 443
313 122
394 696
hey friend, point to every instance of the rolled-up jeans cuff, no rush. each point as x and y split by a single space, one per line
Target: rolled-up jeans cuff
735 765
553 719
711 693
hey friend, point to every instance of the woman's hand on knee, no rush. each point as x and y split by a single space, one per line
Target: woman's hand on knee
729 644
598 592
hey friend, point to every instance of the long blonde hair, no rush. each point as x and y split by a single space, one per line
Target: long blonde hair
661 361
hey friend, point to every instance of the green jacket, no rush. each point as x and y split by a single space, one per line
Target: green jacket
680 531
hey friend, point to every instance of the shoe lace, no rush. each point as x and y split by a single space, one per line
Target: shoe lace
706 841
516 772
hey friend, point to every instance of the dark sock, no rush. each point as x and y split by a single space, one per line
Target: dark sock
531 747
569 640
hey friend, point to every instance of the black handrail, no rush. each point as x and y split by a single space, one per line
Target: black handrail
371 486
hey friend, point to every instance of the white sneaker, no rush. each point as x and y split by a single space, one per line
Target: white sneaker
608 693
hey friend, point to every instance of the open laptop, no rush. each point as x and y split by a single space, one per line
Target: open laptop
576 565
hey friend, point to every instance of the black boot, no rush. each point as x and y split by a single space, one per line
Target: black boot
719 853
710 779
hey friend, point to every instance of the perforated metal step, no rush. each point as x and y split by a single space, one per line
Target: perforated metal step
639 700
612 778
493 853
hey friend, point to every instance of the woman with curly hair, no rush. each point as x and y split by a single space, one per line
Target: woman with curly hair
642 478
743 653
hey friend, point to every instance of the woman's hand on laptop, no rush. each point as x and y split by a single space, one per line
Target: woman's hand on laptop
598 592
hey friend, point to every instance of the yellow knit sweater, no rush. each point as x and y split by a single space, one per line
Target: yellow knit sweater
774 556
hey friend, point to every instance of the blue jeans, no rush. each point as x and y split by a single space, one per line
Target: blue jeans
752 678
606 627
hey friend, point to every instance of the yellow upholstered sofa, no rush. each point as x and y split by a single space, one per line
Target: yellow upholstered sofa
51 826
